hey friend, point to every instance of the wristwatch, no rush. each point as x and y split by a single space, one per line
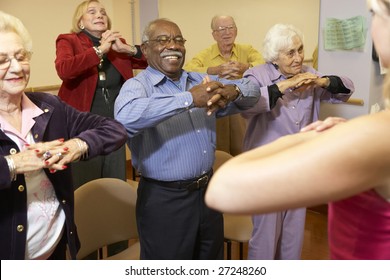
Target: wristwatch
239 93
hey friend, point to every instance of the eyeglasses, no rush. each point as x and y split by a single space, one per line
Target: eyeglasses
165 40
22 57
225 28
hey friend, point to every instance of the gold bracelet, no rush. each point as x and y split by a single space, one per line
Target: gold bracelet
12 167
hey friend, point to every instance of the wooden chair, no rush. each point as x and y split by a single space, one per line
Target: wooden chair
105 214
237 228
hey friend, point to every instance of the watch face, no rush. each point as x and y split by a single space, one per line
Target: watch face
237 89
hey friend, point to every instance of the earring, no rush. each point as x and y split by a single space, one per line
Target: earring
81 26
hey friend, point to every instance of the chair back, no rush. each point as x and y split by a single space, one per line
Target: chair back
237 228
104 214
220 158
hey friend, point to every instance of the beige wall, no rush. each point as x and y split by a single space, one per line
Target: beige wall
253 19
46 19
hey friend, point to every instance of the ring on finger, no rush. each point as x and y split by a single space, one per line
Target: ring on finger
59 155
46 155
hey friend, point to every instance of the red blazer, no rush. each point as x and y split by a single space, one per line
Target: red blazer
76 64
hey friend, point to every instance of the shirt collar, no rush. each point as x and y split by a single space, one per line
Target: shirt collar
156 77
29 112
274 74
30 108
215 51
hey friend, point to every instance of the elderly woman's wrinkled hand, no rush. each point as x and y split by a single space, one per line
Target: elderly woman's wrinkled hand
302 79
53 155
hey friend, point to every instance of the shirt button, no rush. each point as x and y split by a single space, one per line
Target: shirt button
13 151
46 110
64 201
186 103
20 228
297 123
198 131
204 152
36 136
21 188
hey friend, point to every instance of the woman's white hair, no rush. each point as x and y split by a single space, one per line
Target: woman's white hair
279 37
10 23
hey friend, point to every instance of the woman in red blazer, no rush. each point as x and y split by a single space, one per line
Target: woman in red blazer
93 62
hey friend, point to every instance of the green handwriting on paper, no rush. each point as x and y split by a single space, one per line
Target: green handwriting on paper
347 34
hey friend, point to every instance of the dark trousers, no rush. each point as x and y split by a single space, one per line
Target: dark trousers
175 224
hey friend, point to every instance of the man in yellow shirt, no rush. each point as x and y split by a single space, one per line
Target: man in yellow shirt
228 60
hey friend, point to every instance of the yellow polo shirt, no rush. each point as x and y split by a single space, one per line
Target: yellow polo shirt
211 57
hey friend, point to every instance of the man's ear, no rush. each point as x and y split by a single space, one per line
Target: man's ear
214 35
144 49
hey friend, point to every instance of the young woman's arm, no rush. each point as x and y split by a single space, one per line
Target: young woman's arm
306 169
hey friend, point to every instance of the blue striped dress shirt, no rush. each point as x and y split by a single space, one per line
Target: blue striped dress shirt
169 138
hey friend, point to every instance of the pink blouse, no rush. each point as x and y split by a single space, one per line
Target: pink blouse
359 227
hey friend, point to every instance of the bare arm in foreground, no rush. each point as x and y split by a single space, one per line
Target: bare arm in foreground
307 168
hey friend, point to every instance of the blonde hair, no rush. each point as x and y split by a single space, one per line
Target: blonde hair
10 23
78 14
382 8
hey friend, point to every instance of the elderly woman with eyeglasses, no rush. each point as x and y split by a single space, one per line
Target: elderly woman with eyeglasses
39 136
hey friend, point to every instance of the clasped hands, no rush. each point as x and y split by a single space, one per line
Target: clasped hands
112 39
232 70
53 155
212 95
303 81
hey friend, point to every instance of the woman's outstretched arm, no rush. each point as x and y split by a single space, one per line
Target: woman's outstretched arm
306 169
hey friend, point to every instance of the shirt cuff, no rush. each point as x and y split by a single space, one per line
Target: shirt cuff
274 94
336 85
